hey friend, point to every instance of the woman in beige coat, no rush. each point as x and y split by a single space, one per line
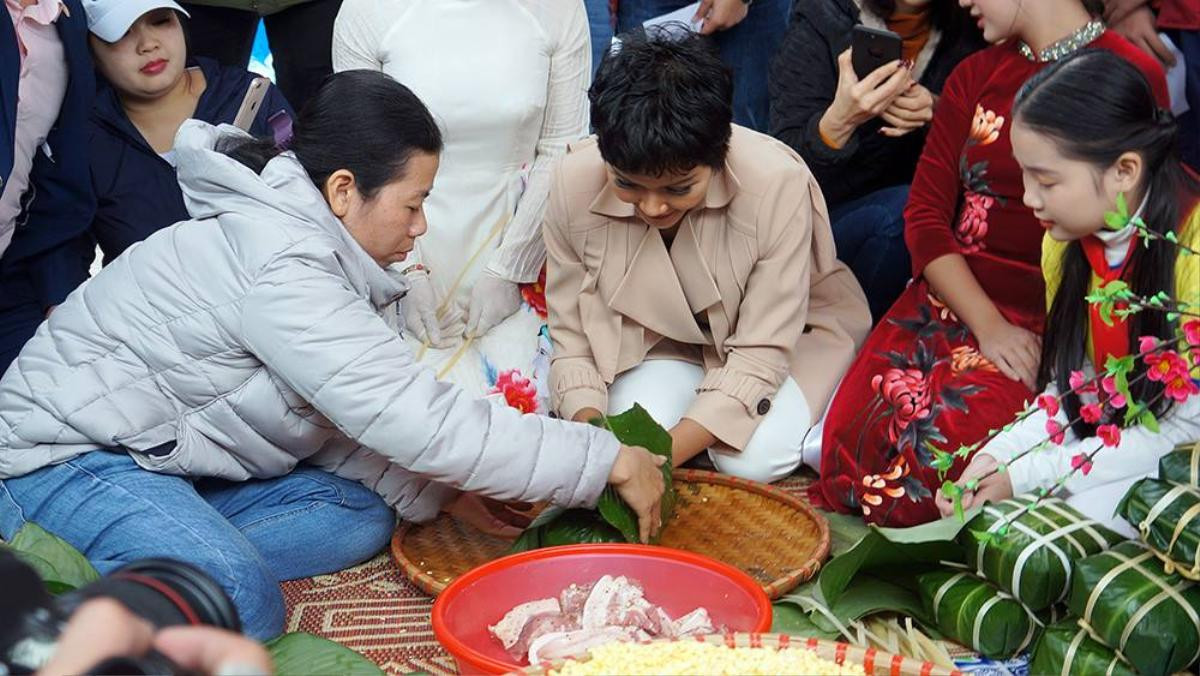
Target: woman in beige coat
691 268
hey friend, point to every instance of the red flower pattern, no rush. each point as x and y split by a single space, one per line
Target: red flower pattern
535 294
973 223
907 392
518 391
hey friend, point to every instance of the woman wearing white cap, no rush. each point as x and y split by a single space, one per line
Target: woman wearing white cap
148 86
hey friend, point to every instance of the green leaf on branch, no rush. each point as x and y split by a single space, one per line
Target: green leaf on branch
1148 421
299 654
942 461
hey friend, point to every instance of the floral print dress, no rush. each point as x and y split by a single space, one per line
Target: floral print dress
920 382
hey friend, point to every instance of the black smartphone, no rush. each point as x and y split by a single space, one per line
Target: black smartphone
872 48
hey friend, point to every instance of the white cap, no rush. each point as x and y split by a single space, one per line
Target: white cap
111 19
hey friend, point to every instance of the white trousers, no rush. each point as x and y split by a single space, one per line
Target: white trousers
666 389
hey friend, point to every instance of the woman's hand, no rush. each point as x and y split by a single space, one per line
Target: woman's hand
857 101
637 476
1139 26
492 301
908 112
1015 351
420 310
102 629
490 516
994 488
719 15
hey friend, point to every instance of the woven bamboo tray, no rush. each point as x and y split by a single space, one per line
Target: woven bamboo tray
773 536
873 662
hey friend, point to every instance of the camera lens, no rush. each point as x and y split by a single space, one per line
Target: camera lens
168 593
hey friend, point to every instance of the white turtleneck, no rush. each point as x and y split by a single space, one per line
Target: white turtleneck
1116 242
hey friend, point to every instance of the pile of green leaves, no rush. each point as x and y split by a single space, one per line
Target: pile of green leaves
613 520
872 570
63 569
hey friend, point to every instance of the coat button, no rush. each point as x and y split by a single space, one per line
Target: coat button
764 406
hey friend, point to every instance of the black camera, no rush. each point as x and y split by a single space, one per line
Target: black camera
161 591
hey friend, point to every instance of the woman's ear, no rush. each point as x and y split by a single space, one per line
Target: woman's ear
1127 171
339 191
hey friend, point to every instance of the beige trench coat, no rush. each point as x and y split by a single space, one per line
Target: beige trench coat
756 265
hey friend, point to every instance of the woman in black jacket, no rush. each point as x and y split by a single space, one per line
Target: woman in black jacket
862 138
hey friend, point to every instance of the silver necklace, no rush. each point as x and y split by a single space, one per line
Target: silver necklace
1066 46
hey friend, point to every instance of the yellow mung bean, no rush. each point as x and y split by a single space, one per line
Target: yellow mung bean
702 659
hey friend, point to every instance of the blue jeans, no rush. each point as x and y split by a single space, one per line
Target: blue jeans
869 234
1189 125
747 48
248 535
600 21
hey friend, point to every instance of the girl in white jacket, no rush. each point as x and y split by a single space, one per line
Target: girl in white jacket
1086 132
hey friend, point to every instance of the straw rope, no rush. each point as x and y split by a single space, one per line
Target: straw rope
445 306
1195 473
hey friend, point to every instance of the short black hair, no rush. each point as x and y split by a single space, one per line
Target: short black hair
662 103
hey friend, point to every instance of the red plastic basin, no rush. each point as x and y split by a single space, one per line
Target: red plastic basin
678 581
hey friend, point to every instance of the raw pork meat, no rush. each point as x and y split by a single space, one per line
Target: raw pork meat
585 616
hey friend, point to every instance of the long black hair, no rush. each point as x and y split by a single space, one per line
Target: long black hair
1096 106
359 120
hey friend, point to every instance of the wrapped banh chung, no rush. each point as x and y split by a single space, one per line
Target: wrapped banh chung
1032 560
1150 617
1182 465
1166 516
976 614
1065 648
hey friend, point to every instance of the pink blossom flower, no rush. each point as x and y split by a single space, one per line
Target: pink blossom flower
1180 386
1091 413
518 391
1080 384
1191 332
1056 431
1164 365
1109 434
1115 399
1048 403
1081 463
1147 344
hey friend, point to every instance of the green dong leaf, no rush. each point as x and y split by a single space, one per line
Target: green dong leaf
61 566
301 654
613 520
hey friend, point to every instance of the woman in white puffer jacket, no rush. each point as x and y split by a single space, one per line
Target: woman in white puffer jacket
229 349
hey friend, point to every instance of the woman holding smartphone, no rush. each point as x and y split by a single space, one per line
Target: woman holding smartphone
149 86
957 355
862 136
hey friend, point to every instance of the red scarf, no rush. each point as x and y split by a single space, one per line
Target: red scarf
1107 339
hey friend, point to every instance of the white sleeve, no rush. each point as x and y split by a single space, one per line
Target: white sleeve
358 33
1137 454
521 252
